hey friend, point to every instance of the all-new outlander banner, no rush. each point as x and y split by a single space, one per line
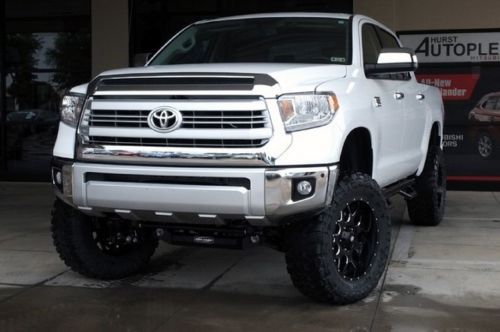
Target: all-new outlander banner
465 65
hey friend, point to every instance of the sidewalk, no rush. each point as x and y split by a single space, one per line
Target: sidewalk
444 278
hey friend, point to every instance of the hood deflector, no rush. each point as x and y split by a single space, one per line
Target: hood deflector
179 81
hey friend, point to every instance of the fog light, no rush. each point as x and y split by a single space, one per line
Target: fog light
67 177
58 178
304 187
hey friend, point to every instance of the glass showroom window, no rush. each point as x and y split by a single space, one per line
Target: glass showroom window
47 52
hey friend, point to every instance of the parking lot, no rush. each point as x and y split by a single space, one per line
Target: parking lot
440 279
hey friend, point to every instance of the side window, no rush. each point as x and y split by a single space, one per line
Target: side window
389 41
491 103
374 39
497 108
371 44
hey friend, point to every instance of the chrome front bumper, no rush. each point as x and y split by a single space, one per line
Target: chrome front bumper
191 194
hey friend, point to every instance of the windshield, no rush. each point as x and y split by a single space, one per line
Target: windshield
270 40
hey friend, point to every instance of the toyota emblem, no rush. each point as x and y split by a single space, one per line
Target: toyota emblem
164 119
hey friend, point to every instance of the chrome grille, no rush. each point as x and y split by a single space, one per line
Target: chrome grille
191 119
207 122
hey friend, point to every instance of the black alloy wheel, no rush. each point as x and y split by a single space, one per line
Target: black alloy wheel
427 207
103 248
354 240
115 236
339 256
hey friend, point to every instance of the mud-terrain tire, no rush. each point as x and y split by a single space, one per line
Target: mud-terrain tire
78 240
427 208
356 225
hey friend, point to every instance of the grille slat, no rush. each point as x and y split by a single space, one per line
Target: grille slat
120 121
222 121
172 142
247 118
101 116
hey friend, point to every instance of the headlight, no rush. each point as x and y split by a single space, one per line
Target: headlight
71 107
303 111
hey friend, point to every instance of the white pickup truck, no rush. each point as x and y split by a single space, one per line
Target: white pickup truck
290 130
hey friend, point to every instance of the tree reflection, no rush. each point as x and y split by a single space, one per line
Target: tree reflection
70 56
21 62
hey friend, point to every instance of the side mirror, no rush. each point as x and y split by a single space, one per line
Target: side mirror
140 59
393 60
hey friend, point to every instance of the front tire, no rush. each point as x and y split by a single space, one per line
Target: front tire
427 208
339 256
100 248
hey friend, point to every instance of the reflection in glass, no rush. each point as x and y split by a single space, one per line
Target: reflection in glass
41 66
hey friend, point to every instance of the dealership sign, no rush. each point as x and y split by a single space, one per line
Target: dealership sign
452 86
454 47
465 66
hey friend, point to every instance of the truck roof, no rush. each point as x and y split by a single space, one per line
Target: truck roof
284 14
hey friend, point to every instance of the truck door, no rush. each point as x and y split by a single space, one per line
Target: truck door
387 95
414 112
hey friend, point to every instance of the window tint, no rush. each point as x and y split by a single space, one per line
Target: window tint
289 40
371 45
388 40
374 39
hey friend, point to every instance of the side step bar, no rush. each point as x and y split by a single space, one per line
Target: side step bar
404 187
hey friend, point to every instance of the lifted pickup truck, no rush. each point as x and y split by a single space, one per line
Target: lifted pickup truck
289 130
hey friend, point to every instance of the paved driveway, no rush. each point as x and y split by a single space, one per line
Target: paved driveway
445 278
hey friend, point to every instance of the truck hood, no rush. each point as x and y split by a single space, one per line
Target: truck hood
290 77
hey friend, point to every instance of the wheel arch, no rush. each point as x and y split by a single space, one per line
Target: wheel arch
435 138
357 152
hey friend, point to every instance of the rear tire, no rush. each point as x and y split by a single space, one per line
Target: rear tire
427 208
339 256
100 248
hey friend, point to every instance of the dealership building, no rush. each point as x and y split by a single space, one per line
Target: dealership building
50 46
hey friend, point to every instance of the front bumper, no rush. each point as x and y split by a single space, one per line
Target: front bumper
262 196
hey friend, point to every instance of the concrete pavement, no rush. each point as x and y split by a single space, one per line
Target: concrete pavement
439 279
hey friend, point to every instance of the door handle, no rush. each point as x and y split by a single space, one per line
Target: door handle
377 102
420 96
399 95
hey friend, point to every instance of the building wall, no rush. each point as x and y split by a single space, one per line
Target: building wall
404 15
110 35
